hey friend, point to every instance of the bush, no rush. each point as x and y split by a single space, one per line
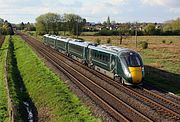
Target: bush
105 32
98 41
108 40
163 41
144 44
170 42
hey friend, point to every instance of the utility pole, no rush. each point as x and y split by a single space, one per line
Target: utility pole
136 36
136 33
77 28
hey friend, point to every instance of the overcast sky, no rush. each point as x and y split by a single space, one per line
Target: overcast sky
17 11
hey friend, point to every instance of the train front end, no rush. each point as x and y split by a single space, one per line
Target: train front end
132 68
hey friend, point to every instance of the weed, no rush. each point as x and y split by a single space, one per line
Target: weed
164 41
98 41
108 40
144 44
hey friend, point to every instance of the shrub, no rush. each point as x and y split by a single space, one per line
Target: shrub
163 41
98 41
108 40
170 42
144 44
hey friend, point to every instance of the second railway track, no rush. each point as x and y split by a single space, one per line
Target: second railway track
164 107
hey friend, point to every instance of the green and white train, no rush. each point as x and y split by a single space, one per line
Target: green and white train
121 64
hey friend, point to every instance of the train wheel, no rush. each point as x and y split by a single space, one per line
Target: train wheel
117 79
123 81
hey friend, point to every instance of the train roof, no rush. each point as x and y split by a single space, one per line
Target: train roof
81 43
110 49
104 47
61 38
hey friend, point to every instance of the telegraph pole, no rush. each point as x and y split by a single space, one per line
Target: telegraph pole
136 36
136 33
77 28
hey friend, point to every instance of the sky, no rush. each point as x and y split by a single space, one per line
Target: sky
17 11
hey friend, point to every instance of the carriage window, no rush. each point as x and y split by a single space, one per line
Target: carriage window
103 58
100 56
107 58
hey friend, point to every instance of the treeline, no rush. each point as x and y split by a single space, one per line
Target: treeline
54 23
72 24
168 28
26 26
5 28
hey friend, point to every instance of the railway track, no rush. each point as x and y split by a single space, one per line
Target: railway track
165 107
116 108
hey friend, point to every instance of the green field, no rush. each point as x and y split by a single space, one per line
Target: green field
3 95
51 96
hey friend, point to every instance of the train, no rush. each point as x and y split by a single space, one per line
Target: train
121 64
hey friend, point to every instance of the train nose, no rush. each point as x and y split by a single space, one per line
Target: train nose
136 73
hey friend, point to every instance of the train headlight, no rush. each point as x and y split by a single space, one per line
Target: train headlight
143 73
127 73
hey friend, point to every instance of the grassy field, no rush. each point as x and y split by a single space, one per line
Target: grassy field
162 57
52 98
3 96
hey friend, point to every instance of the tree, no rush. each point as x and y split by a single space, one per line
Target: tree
172 27
74 23
150 29
6 28
48 23
108 22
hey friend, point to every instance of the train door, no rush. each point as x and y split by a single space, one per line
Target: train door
90 56
112 63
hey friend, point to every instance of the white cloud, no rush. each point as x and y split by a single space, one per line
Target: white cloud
93 10
172 5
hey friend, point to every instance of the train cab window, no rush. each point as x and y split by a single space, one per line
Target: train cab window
131 59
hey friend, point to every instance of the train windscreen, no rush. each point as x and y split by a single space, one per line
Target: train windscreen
131 59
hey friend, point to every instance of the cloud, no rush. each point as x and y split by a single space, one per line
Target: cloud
172 5
93 10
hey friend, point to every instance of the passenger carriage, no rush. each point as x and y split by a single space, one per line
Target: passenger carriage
77 49
45 39
62 44
51 40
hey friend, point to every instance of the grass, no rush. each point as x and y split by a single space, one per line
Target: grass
88 33
17 89
51 96
160 56
3 95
